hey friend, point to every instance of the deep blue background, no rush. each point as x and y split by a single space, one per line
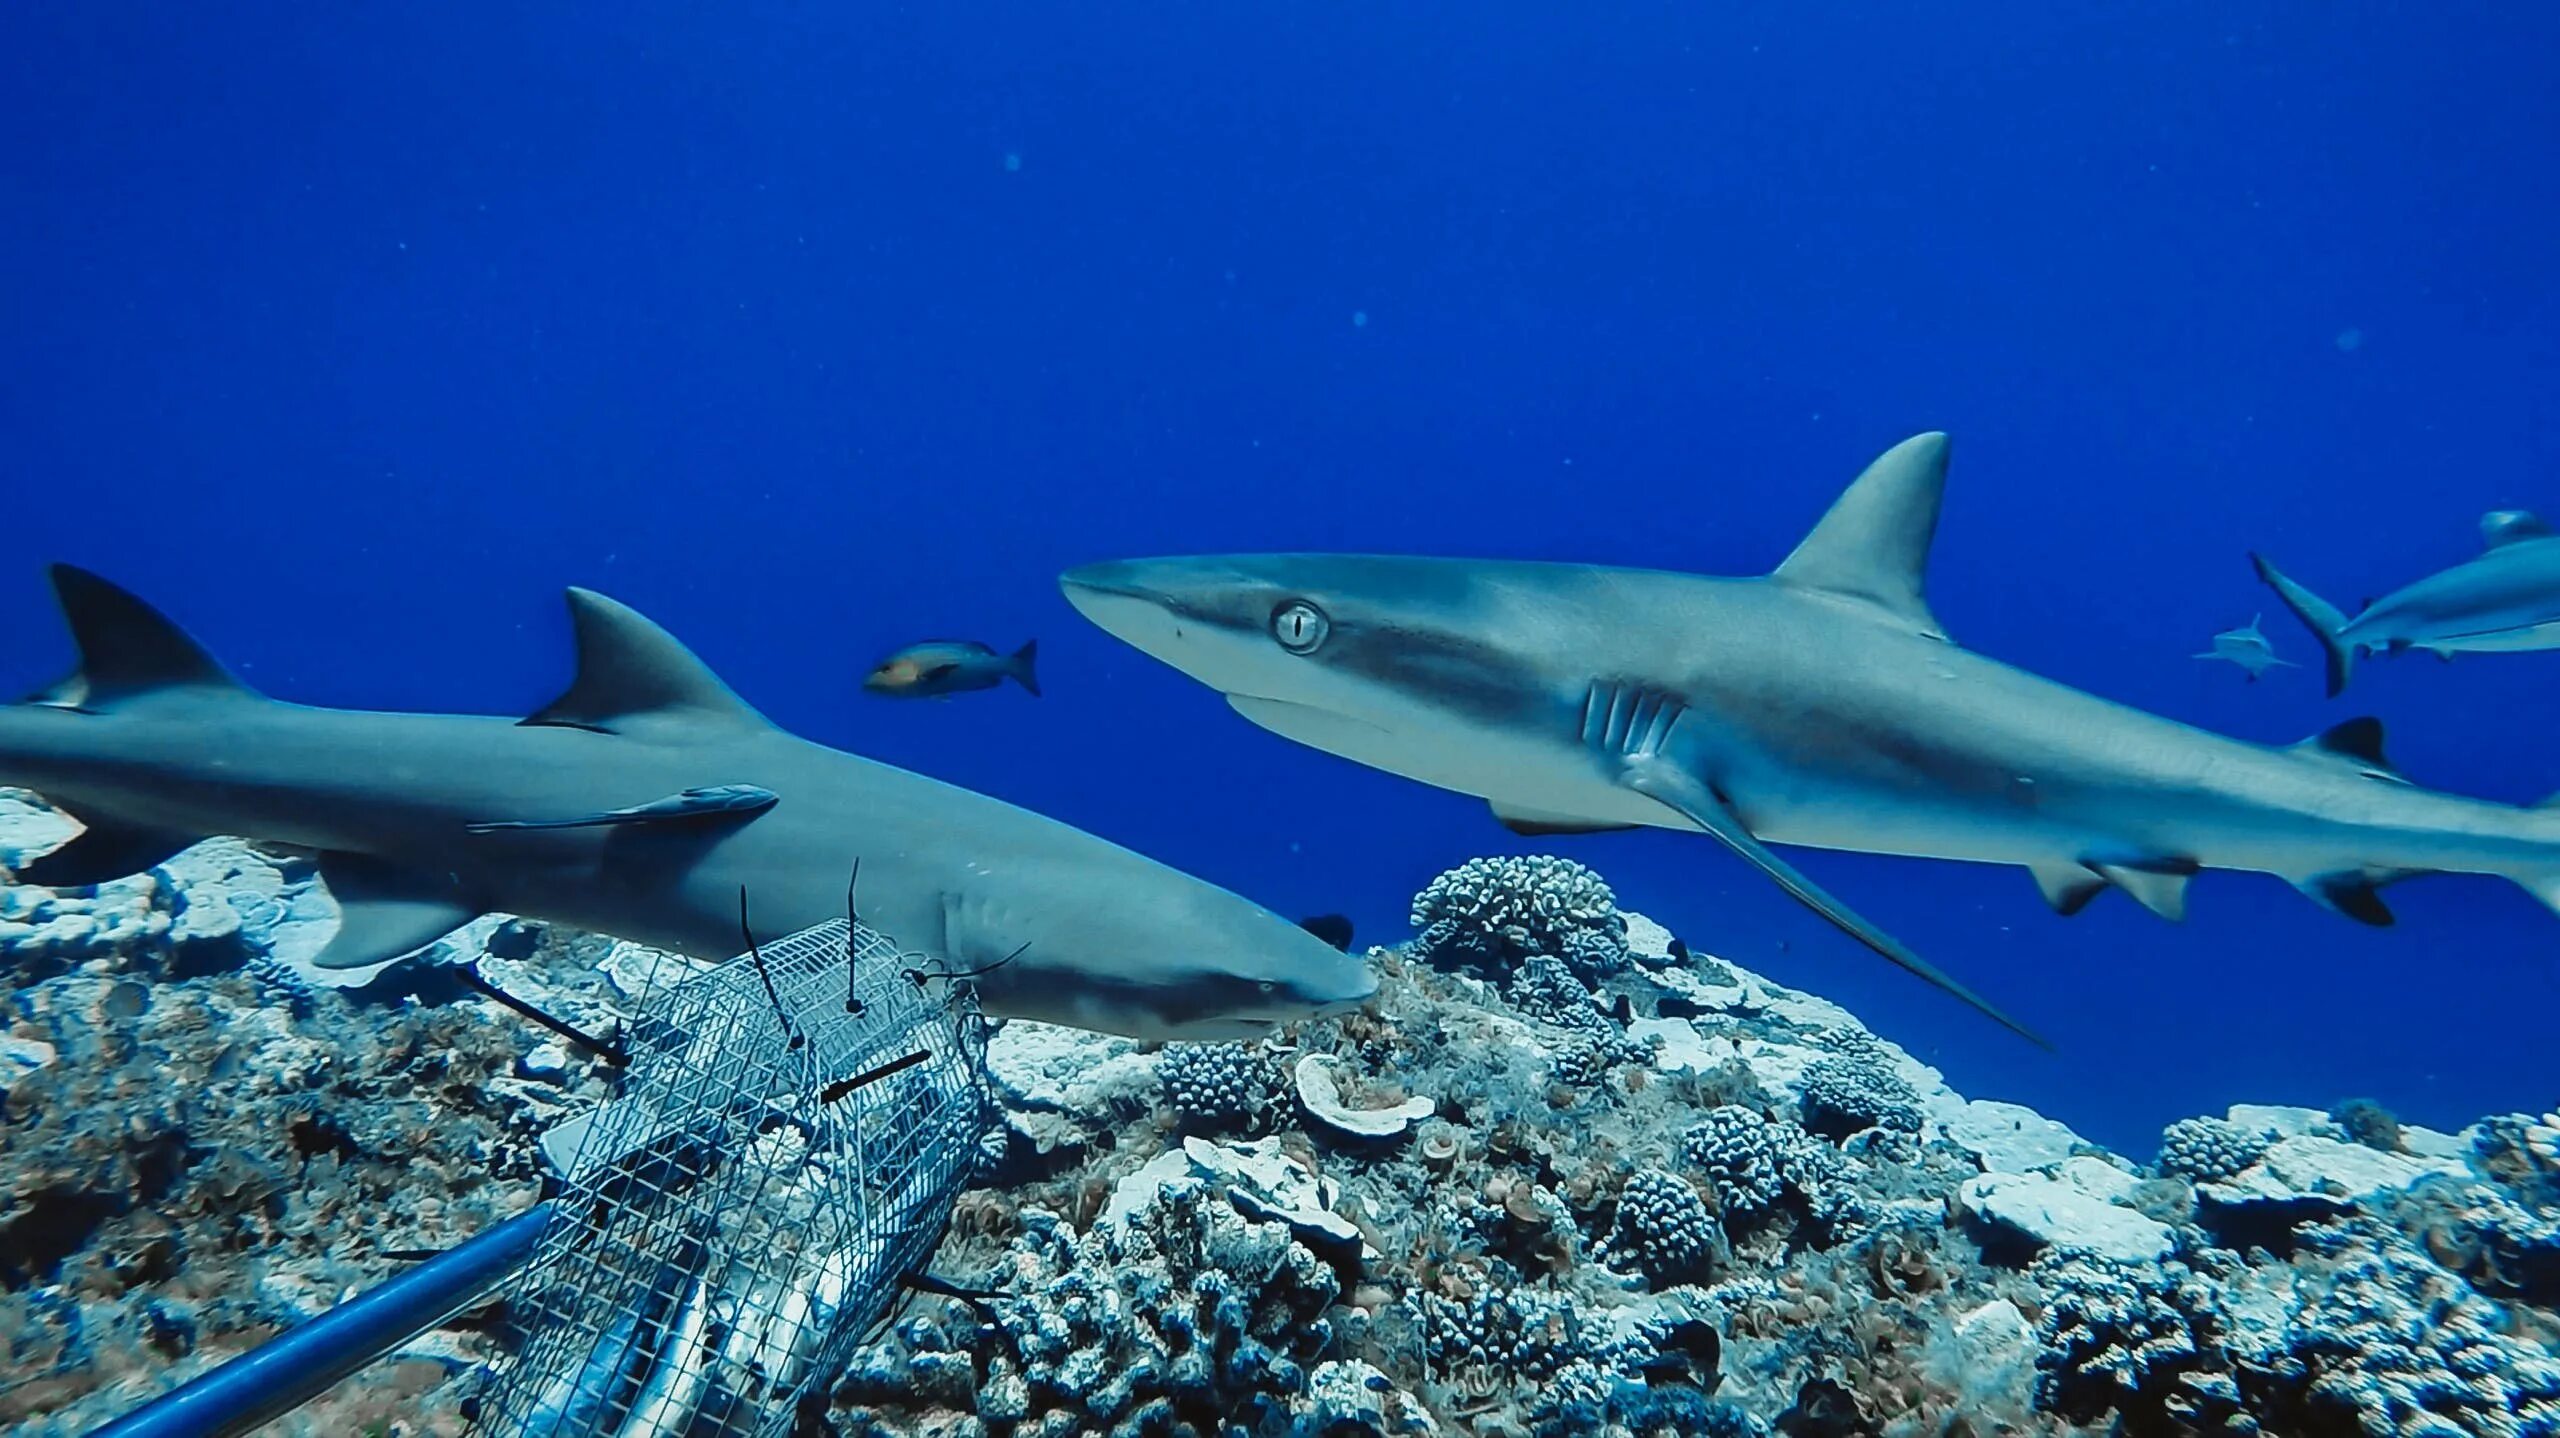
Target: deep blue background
351 333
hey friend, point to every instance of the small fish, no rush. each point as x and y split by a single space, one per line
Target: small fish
940 667
2248 648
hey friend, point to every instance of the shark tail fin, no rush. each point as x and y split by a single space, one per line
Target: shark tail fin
2317 615
126 647
1023 671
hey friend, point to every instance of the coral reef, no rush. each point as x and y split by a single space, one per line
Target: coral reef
1565 1177
1217 1085
1493 914
2208 1149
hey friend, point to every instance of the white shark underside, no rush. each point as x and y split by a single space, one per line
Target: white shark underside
1820 706
639 804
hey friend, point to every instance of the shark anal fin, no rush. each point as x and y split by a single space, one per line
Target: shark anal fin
102 851
1665 782
719 801
2157 885
2068 887
126 646
1532 823
385 911
2351 893
629 668
1872 546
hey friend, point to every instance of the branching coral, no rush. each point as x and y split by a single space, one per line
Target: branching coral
2209 1149
1490 914
1213 1086
1858 1089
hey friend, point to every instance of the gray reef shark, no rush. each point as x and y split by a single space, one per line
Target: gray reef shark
2506 599
640 804
1820 705
2247 647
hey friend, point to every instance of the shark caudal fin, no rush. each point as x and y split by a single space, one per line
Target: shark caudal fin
1021 666
126 647
2317 615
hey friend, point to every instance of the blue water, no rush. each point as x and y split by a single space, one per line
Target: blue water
351 333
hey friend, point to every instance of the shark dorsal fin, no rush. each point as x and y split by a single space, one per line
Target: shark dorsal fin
2502 527
629 668
126 646
1873 544
2357 742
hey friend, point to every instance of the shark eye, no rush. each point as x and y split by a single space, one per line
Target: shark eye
1299 626
1267 986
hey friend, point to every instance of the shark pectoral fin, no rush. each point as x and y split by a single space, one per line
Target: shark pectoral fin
1666 783
1532 823
385 911
2068 887
102 851
2160 886
630 669
719 801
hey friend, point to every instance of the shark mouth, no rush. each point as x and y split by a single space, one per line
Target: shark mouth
1323 728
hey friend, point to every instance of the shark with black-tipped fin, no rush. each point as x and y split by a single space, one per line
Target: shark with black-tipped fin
2505 599
1822 705
641 803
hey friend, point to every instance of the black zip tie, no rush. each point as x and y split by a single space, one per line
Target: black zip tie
841 1087
609 1051
852 942
780 1014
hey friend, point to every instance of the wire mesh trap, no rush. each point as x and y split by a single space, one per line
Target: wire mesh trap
784 1150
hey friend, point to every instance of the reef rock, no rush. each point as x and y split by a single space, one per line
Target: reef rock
2045 1212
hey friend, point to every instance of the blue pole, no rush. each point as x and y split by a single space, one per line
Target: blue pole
302 1362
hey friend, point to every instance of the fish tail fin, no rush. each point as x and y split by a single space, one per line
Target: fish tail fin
2317 615
1024 673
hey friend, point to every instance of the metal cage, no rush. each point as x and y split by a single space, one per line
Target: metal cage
785 1148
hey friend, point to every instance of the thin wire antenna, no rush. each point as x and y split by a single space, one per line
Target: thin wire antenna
780 1014
606 1049
919 977
852 943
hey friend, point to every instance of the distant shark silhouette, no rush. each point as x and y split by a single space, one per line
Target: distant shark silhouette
1821 705
2248 648
640 803
2506 599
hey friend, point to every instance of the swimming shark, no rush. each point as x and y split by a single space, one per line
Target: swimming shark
2508 598
649 802
1820 705
2247 647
